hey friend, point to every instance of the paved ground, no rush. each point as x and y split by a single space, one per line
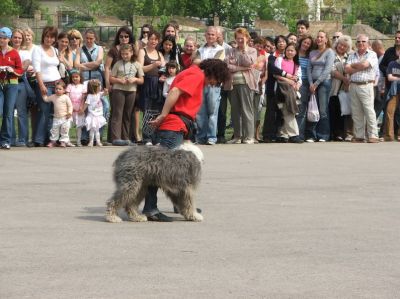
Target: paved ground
281 221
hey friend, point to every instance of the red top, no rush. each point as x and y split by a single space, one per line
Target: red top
11 58
191 83
187 60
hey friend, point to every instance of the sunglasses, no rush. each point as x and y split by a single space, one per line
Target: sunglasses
124 36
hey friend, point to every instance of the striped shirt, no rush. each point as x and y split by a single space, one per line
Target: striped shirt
369 74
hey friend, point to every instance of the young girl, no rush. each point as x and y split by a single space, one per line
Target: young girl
286 94
172 70
62 115
76 92
189 47
126 74
94 119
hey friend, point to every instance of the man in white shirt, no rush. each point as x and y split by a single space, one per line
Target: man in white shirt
207 117
362 65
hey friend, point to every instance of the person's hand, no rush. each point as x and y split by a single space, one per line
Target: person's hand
10 69
313 87
291 77
68 115
157 121
105 91
43 89
158 63
162 78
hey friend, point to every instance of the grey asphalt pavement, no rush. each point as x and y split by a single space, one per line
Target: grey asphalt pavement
281 221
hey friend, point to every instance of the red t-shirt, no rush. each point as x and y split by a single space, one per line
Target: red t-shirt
11 58
191 83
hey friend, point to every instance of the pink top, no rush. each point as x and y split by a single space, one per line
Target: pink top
76 93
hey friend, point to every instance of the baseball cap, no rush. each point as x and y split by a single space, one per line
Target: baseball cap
5 32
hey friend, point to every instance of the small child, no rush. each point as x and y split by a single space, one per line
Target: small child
126 74
94 119
62 115
172 70
76 91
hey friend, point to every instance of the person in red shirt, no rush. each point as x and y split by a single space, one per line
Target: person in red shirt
182 104
10 71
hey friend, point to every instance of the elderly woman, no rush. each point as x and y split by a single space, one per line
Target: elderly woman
319 76
10 71
240 61
45 63
341 125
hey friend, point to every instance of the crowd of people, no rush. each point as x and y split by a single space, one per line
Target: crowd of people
314 88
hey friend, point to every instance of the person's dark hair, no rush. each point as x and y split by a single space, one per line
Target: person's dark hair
302 40
215 68
260 41
91 31
253 35
290 34
131 48
277 38
296 57
172 64
270 39
171 39
173 24
62 35
155 33
128 31
49 30
148 26
303 22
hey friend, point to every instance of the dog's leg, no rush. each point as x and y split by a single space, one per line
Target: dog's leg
113 204
185 204
132 205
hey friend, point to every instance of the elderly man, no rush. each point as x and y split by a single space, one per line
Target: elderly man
362 66
207 117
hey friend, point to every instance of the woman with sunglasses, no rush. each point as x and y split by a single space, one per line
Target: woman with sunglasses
75 41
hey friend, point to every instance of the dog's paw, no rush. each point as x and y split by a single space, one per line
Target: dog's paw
113 219
138 218
195 217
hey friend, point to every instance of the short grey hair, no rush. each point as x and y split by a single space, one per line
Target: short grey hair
345 40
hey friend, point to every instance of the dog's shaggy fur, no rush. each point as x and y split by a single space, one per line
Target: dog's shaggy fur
177 172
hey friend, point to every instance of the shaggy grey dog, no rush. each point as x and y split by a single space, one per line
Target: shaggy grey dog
177 172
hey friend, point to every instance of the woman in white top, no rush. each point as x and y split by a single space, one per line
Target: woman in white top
45 63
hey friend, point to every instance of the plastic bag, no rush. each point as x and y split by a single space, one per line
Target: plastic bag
313 112
345 104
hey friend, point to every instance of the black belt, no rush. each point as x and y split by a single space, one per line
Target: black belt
362 82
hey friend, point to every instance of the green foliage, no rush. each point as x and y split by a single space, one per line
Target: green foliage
8 8
27 7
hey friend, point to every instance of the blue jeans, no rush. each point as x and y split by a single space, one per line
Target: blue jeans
171 140
45 116
207 117
22 111
321 129
8 95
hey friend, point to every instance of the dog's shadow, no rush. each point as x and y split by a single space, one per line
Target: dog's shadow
100 212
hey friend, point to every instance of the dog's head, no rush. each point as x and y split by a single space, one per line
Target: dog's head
190 147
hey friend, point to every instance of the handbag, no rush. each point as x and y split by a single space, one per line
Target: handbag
345 104
31 96
313 112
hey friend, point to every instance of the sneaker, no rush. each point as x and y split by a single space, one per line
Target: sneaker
310 140
69 144
348 138
248 141
5 146
234 141
148 143
90 144
20 144
119 142
295 139
210 142
63 144
321 140
159 217
99 143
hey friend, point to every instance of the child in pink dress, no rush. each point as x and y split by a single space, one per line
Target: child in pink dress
76 92
94 119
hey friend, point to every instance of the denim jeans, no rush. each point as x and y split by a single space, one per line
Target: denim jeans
45 117
22 111
321 129
207 117
8 95
170 140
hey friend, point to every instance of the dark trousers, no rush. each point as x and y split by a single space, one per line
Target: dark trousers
122 110
223 106
272 119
